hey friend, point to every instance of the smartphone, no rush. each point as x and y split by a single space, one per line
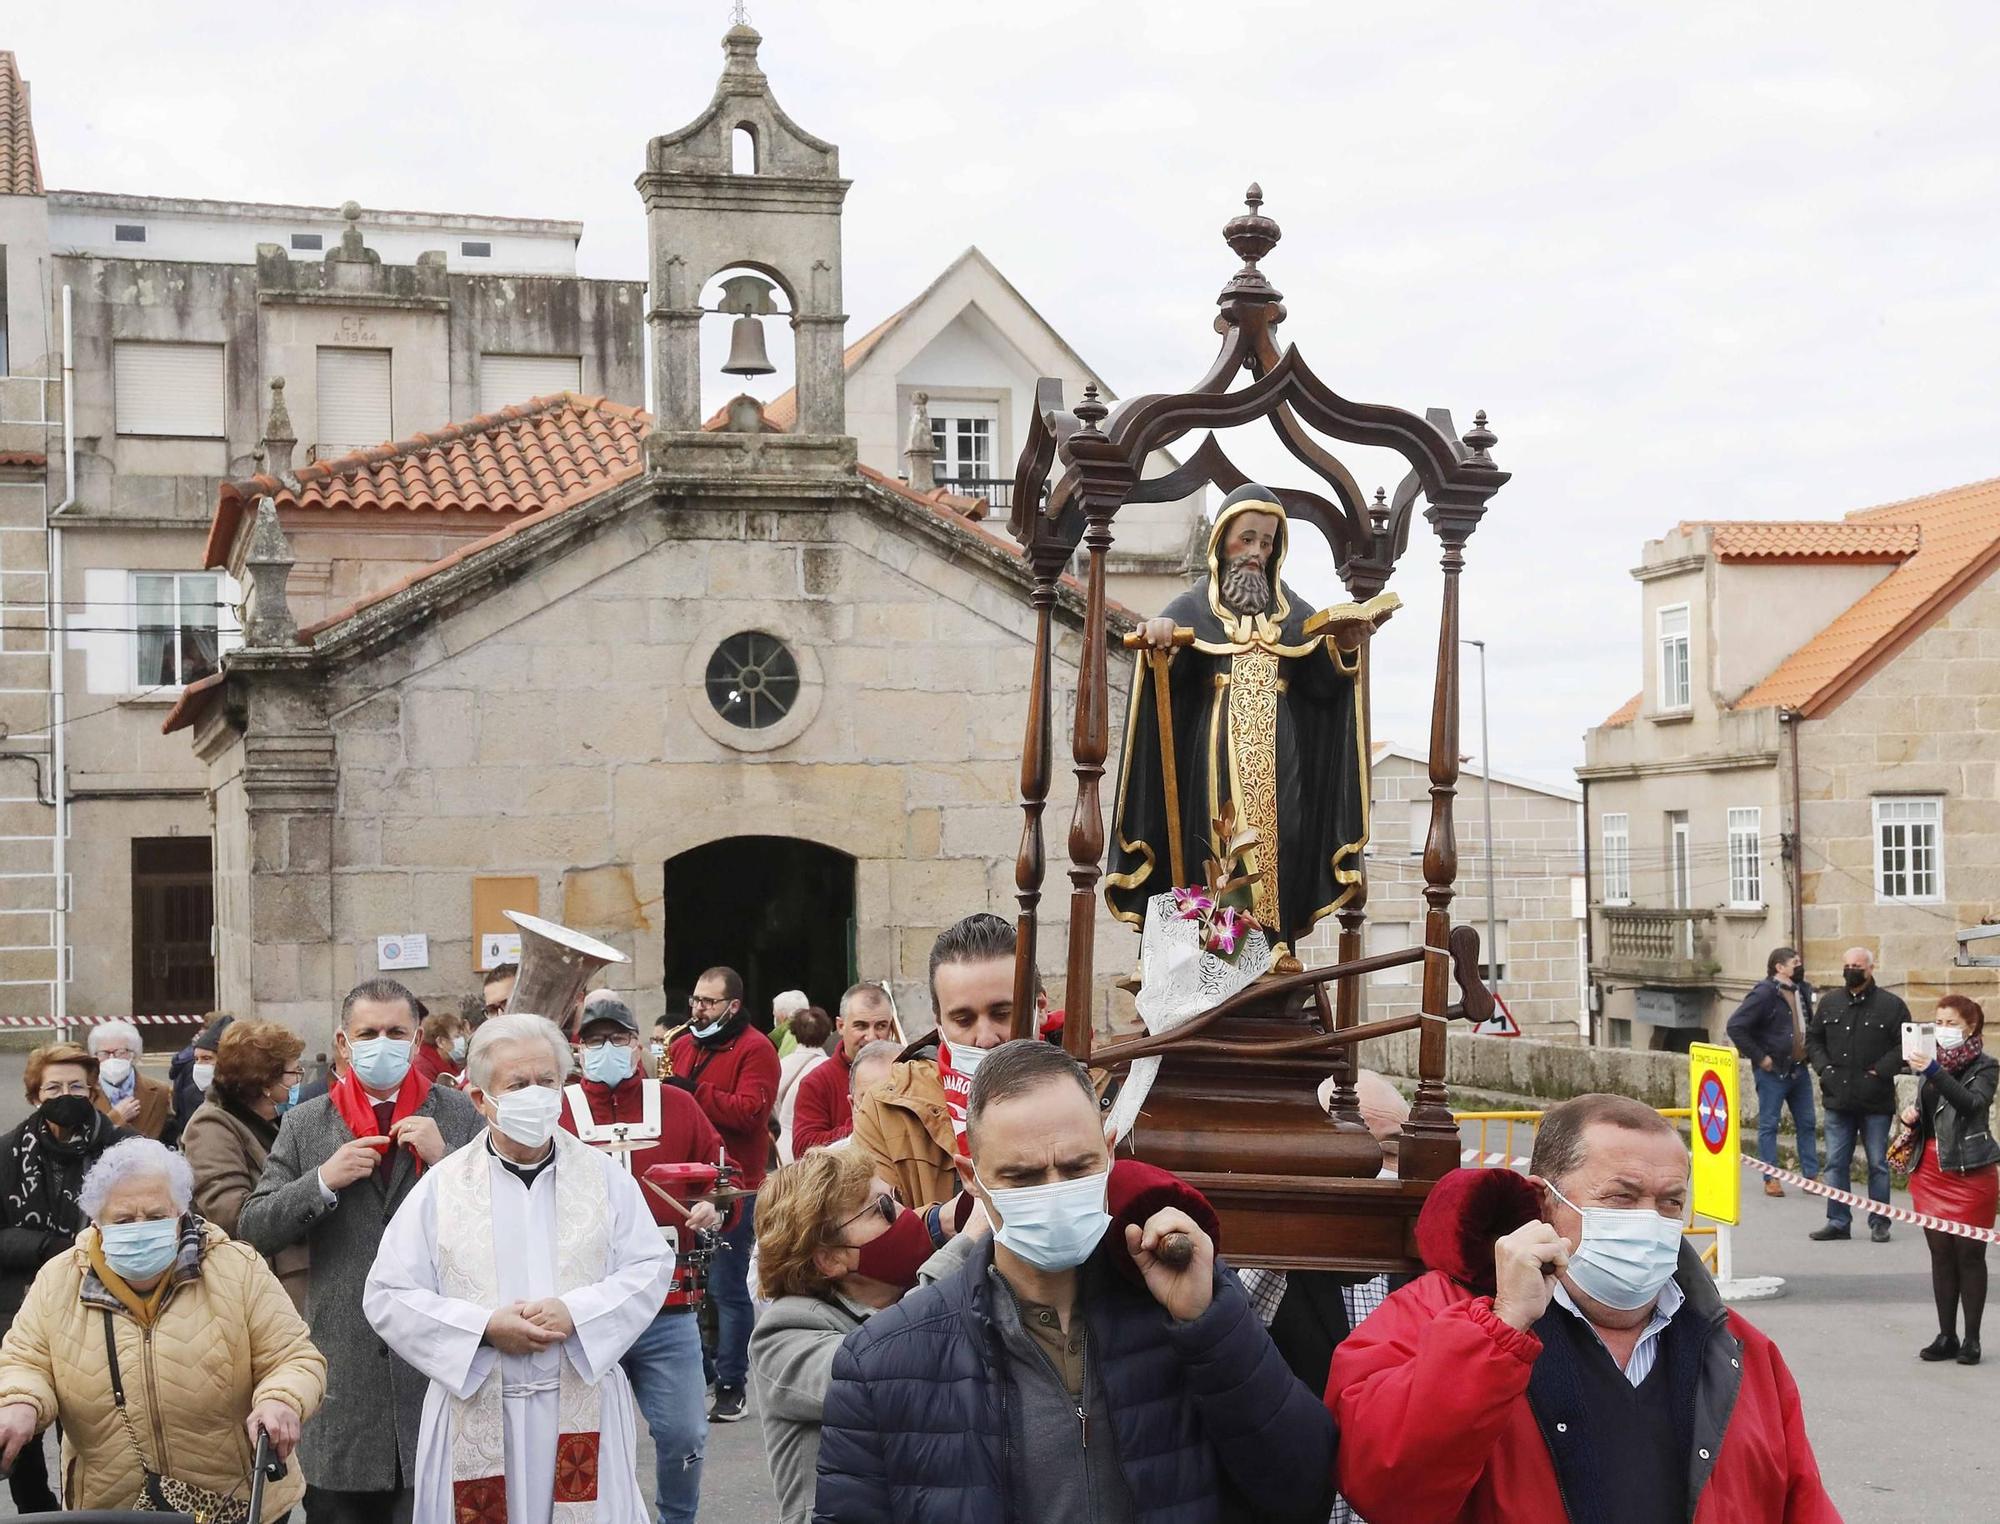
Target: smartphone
1920 1037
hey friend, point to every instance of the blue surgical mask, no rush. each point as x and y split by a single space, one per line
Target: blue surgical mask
458 1050
608 1065
1054 1226
710 1030
136 1250
1626 1256
380 1061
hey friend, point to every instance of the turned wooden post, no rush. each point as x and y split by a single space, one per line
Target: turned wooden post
1030 864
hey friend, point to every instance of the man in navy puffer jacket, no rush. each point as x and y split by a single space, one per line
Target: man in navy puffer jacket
1068 1372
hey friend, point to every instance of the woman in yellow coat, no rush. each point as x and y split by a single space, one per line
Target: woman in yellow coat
210 1350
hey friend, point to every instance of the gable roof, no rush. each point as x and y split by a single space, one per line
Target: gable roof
1381 750
1957 543
1625 713
20 165
525 459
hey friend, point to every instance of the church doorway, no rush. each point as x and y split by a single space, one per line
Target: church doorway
777 910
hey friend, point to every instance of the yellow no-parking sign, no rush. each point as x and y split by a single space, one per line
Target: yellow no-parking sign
1713 1132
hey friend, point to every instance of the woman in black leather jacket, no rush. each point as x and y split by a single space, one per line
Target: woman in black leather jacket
1957 1170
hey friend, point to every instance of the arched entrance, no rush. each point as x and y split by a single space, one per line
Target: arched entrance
777 910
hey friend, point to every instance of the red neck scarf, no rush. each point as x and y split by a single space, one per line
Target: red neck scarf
357 1107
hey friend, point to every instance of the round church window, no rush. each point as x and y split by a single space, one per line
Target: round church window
753 680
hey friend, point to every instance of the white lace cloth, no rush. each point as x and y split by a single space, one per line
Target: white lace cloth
1177 982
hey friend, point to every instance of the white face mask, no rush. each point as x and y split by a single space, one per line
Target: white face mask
115 1071
1053 1226
1626 1255
203 1076
1947 1038
528 1115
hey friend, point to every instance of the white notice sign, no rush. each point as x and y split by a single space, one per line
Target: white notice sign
498 947
411 950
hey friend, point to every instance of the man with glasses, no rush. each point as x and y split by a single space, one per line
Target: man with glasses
641 1122
498 988
131 1099
731 1070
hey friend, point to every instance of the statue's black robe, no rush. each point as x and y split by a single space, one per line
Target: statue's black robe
1322 767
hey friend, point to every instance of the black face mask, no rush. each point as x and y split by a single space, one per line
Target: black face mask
72 1113
1855 977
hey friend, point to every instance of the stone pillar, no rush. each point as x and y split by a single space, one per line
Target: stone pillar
279 438
920 449
267 568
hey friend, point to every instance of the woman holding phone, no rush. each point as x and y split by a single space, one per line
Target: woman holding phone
1957 1170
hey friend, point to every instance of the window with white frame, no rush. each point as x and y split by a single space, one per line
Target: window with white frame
1746 858
967 437
355 400
181 629
1676 670
1909 849
174 390
1617 859
1394 936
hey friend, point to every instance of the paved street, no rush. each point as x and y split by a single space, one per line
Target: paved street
1850 1322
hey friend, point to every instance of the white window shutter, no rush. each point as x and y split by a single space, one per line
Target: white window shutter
354 407
507 379
171 389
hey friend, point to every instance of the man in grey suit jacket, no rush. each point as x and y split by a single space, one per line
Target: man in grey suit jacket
335 1189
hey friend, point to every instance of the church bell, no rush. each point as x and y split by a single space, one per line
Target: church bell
746 349
749 297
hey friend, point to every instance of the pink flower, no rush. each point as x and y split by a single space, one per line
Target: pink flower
1226 929
1192 904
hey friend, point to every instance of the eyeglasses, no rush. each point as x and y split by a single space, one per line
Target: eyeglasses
882 1206
131 1053
496 1008
707 1002
56 1088
615 1039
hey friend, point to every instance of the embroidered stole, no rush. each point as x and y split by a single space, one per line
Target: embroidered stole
467 1270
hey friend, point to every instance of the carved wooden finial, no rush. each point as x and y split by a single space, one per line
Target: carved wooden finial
1091 411
1481 439
1251 235
1378 511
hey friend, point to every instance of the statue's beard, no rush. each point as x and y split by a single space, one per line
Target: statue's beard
1245 588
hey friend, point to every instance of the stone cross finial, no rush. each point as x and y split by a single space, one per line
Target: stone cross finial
279 439
267 619
921 447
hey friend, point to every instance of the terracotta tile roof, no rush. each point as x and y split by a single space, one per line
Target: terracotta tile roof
1808 540
1958 546
781 413
1624 714
32 460
193 699
20 165
525 459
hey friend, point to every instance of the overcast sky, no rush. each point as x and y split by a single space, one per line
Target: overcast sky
1694 260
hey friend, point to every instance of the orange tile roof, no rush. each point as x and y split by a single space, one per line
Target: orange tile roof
31 460
781 413
1779 540
20 165
1958 546
1624 714
546 453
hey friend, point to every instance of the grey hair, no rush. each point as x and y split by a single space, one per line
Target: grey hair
515 1026
871 1052
789 1002
110 1029
1014 1068
382 991
128 1161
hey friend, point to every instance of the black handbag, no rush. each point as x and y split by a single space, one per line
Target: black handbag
166 1494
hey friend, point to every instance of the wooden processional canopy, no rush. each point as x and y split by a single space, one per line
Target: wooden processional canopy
1235 1108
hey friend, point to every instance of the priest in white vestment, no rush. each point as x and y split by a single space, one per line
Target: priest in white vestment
515 1276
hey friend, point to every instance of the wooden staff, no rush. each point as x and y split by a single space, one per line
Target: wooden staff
1163 712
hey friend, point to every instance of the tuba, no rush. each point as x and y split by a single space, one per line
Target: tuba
556 965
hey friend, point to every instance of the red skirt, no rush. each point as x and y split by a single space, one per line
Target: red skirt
1971 1198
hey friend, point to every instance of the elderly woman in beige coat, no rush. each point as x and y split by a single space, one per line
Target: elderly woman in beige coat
209 1350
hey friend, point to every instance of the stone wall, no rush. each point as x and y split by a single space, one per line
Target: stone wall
1927 723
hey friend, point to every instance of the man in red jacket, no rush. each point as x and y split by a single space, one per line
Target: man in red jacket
731 1070
613 1107
1568 1357
824 1110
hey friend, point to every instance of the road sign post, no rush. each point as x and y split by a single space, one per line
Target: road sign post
1715 1145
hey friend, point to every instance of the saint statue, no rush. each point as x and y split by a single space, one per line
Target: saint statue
1246 698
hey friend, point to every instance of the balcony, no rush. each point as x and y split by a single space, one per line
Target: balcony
997 490
1658 945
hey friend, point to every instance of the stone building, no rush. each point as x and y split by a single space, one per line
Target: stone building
1811 761
180 316
1538 890
715 693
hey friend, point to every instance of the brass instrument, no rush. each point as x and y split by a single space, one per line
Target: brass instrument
666 1066
556 965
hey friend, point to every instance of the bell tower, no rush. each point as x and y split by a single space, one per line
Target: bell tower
742 187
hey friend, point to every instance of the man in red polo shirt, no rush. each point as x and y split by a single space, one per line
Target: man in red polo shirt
614 1106
731 1069
824 1111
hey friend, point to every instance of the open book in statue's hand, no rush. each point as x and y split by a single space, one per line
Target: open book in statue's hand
1351 623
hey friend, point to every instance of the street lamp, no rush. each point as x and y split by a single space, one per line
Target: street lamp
1486 779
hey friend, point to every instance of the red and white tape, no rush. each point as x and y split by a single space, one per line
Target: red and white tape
48 1023
1881 1208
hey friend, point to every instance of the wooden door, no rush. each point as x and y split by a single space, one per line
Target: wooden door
173 919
